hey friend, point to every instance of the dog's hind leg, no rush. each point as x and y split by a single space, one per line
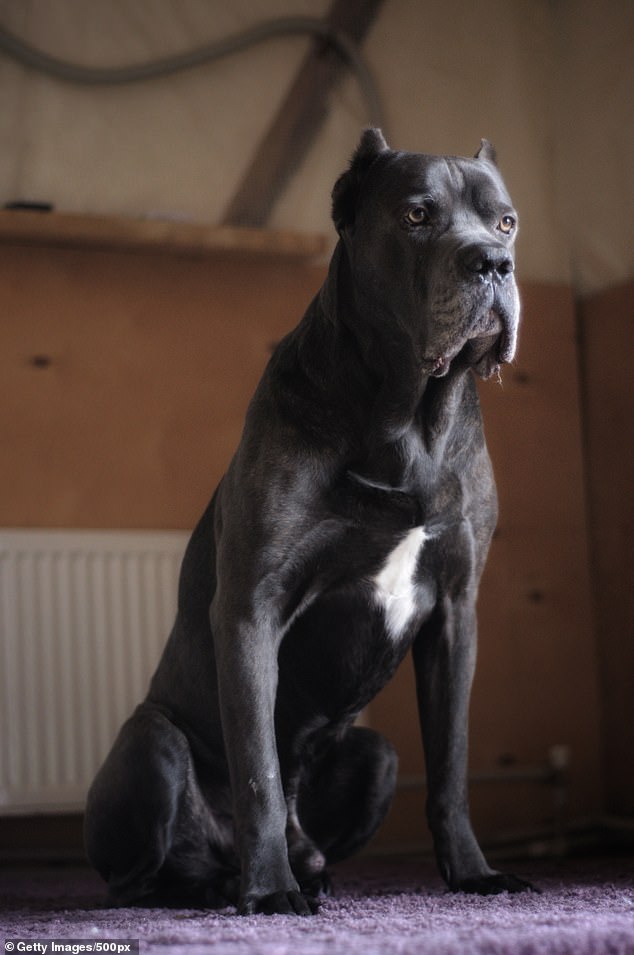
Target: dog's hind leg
133 802
139 807
346 791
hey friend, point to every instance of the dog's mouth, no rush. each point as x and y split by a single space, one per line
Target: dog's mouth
486 350
490 343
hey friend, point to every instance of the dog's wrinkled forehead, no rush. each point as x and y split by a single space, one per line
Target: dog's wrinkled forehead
448 179
380 177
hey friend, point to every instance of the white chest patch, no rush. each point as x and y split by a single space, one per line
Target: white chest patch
395 583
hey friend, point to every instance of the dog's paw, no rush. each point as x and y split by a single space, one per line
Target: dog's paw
494 884
279 903
317 886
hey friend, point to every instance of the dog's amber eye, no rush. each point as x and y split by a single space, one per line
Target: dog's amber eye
417 215
506 224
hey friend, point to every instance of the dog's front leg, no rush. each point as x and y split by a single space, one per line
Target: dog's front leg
246 656
444 661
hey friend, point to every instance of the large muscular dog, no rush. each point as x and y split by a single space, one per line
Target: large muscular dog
352 526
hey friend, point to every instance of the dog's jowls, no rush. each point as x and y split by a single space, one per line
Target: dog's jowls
351 526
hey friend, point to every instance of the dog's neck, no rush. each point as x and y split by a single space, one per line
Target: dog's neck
406 406
387 353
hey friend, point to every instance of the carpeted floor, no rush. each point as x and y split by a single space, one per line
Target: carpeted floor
586 907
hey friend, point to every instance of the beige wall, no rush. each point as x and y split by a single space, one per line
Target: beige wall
548 83
594 139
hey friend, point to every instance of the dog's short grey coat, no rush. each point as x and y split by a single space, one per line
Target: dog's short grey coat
352 525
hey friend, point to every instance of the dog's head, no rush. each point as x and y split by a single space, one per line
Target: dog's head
430 245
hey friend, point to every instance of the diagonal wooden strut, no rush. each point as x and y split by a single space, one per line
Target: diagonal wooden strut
299 117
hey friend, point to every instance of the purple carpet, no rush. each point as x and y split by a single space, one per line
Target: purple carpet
380 908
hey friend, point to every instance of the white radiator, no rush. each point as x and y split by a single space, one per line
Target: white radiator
84 616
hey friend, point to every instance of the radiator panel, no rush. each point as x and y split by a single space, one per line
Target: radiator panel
84 616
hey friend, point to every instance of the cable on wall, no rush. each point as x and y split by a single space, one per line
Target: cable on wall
29 56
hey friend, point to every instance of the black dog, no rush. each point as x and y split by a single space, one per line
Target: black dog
353 523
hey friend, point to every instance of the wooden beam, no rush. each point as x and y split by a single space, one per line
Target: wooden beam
299 118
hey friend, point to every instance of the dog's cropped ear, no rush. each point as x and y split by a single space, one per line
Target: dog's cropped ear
346 188
487 151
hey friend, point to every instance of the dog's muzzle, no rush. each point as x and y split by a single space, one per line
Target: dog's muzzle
479 319
492 338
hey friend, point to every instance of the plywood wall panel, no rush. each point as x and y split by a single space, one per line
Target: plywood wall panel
535 605
608 399
125 379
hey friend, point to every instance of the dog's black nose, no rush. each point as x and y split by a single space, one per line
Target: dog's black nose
488 262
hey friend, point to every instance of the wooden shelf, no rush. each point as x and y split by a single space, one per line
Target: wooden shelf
27 227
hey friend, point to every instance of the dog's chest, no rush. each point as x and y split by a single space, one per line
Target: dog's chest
395 585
